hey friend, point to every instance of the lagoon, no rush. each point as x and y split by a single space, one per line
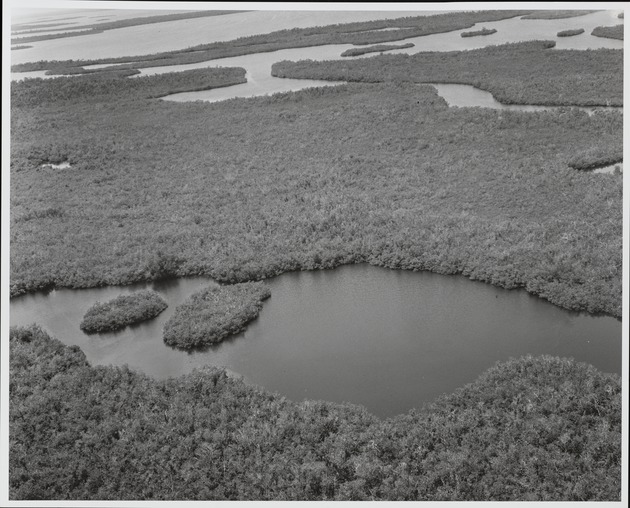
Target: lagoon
387 339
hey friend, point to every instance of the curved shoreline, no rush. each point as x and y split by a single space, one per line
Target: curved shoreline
266 276
150 423
278 220
357 319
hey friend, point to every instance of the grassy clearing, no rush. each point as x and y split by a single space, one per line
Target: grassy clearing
561 77
122 311
540 428
215 313
375 49
245 189
610 32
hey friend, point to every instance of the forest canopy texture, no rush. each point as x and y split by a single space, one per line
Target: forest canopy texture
519 73
111 185
529 429
240 190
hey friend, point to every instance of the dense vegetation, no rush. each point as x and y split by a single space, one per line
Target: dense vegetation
375 49
98 88
245 189
359 33
122 311
570 33
610 32
556 14
561 77
98 28
381 173
214 313
483 31
596 157
530 429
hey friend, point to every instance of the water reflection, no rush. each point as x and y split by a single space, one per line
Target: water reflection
388 339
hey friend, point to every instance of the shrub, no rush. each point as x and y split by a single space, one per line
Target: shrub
122 311
569 33
483 31
214 313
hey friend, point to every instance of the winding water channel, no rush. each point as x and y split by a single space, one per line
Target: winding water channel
261 82
258 65
390 340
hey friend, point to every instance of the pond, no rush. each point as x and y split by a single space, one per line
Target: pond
390 340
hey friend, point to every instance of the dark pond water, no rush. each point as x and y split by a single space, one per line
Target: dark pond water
390 340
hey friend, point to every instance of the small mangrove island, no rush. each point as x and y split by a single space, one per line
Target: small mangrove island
610 32
483 31
570 33
214 313
379 48
122 311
